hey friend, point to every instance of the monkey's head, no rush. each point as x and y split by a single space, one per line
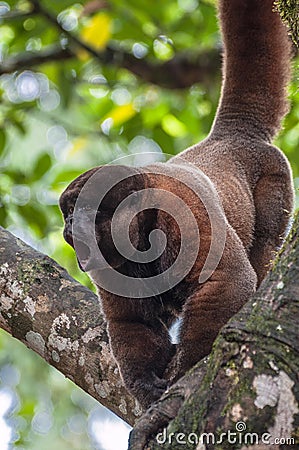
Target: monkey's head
97 200
135 219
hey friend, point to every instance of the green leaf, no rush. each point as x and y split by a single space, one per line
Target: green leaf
41 167
173 126
3 216
66 176
2 140
35 217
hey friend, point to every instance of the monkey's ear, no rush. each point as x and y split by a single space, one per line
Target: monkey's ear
76 185
69 196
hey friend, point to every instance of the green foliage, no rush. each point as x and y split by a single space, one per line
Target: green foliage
59 118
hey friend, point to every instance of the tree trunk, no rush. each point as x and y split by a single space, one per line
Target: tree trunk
243 396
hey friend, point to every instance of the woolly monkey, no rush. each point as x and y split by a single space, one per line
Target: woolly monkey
237 170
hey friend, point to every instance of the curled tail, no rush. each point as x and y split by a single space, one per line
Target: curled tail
256 69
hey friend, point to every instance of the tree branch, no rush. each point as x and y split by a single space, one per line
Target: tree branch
250 378
16 15
29 59
178 73
61 320
182 71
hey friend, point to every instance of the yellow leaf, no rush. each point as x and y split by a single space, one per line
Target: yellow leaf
120 114
174 127
97 33
79 144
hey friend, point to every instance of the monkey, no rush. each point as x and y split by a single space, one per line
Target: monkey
237 170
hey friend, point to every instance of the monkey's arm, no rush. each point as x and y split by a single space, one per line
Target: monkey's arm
229 287
140 344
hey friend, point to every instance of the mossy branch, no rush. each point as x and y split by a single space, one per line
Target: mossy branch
289 12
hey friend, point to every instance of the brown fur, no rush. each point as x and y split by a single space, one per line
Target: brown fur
253 181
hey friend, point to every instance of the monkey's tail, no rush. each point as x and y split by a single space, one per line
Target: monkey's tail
256 69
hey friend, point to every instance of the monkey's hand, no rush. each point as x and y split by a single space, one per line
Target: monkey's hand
171 371
142 351
175 369
147 389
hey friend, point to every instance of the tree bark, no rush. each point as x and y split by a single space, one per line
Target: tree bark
61 320
245 396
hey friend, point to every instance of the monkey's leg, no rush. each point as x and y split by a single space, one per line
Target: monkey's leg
212 305
273 198
142 350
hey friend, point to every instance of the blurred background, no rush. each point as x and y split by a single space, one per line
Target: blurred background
83 83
